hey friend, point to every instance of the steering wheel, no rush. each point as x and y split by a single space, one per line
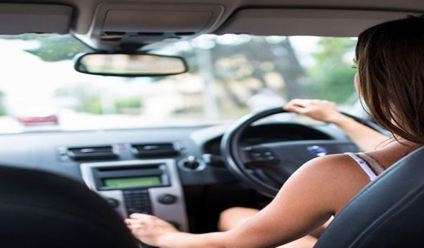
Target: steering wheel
265 167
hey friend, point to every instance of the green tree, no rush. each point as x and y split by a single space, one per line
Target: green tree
333 74
133 102
52 48
251 58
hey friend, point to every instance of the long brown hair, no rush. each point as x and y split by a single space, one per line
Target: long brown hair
390 60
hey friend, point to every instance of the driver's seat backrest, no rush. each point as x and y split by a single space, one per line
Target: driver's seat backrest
387 213
39 209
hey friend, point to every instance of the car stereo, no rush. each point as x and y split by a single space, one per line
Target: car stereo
139 186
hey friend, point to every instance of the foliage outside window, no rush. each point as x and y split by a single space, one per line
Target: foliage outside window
229 76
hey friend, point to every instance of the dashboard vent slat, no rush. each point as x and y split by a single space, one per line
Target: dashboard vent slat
148 150
91 153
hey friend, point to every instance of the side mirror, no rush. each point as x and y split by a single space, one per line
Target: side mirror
130 65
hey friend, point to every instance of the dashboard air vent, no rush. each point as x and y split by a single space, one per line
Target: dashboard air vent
91 153
155 150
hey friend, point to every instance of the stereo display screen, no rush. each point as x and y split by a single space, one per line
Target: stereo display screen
123 182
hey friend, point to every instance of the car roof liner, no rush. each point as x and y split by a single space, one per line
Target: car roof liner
298 21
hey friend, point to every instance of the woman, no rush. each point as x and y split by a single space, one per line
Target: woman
390 79
366 138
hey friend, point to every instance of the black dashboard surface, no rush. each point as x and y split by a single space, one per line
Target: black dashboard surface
42 150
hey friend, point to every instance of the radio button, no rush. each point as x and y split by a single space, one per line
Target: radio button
167 199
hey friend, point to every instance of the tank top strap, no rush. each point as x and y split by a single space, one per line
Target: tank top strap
374 164
363 165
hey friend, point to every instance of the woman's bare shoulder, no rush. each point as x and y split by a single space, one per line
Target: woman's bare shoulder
336 163
338 174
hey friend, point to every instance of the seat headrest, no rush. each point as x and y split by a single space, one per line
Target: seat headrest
39 209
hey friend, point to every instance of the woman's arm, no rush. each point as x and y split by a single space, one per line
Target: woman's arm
311 195
364 137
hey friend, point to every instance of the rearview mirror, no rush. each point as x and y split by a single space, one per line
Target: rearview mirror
130 65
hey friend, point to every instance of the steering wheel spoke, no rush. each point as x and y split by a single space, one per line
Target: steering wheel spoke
258 157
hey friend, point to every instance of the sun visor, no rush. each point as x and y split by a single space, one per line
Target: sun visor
34 18
145 20
153 21
320 22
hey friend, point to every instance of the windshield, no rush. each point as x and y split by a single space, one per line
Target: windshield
229 76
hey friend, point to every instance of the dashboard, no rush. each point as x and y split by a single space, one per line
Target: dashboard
160 171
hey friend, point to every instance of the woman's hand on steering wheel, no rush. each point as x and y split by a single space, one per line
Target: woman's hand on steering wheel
363 132
321 110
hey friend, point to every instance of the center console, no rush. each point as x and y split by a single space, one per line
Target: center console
140 186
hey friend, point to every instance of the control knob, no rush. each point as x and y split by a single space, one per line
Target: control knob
191 163
167 199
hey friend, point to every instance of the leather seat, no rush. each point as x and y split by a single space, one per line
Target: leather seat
39 209
387 213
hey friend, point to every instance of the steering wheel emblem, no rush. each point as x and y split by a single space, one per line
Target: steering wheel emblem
318 151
